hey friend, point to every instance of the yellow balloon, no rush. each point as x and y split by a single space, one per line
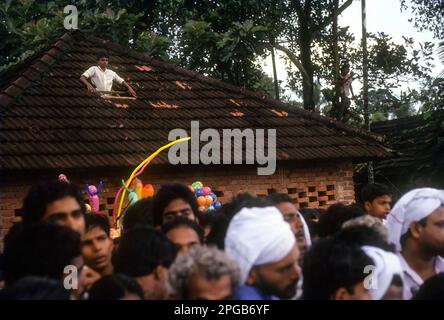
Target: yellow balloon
151 157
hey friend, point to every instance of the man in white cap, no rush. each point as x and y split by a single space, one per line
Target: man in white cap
265 248
386 277
416 227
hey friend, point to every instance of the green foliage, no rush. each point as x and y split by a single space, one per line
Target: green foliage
428 15
227 40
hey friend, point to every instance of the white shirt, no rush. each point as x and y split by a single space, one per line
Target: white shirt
346 86
412 281
103 80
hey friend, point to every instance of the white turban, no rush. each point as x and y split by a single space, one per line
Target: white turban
257 236
306 232
414 206
387 265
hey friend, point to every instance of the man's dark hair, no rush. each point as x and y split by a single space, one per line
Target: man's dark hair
43 194
141 250
97 221
408 234
227 212
40 249
277 198
169 193
311 217
114 287
331 264
431 289
374 190
139 213
35 288
183 222
102 54
331 221
397 281
363 235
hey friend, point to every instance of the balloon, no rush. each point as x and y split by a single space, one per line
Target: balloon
209 200
118 208
87 208
197 185
199 192
132 195
217 204
206 190
202 201
201 208
137 185
93 194
147 191
210 208
213 195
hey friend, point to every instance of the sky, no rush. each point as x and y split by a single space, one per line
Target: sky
382 15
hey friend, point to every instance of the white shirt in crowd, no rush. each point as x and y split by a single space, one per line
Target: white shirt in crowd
412 281
102 80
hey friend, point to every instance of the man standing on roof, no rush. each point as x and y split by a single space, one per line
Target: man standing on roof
102 77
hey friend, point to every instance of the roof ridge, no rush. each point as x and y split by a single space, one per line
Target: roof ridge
34 72
242 90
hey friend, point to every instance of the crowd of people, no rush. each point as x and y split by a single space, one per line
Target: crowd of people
252 248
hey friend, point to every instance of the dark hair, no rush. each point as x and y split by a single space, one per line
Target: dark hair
311 217
139 213
183 222
330 265
331 221
41 249
397 281
35 288
167 194
363 235
408 234
374 190
431 289
226 213
114 287
141 250
102 54
45 193
97 221
277 198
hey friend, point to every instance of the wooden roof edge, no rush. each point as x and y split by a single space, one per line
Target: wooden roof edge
34 71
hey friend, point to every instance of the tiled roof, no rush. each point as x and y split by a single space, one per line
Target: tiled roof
49 120
419 142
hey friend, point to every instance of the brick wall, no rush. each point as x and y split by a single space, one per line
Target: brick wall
312 185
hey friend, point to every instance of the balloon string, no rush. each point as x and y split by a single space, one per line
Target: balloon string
143 165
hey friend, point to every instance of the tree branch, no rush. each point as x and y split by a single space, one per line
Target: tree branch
330 18
293 58
298 7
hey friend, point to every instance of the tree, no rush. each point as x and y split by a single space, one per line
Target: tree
428 15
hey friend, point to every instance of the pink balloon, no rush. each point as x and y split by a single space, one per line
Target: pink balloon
206 190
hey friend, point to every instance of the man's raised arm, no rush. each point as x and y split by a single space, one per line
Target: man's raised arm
88 85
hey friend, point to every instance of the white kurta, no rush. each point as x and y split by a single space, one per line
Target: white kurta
412 281
102 80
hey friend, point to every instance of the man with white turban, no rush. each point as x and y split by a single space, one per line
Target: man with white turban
264 247
385 282
416 227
